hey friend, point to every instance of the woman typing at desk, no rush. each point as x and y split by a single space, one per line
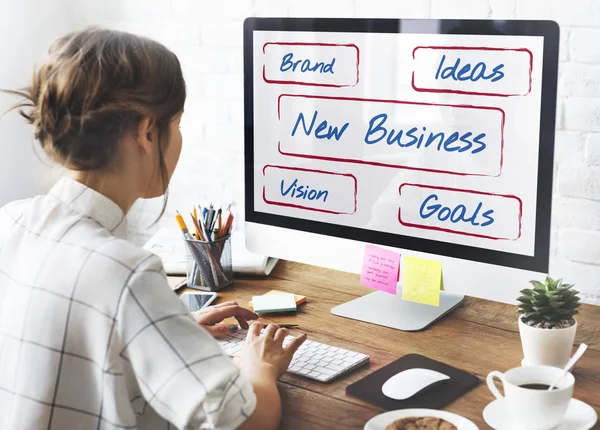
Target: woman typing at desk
91 336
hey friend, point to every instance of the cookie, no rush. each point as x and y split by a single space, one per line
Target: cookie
420 423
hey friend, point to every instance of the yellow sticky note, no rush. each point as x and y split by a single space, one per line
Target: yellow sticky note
421 281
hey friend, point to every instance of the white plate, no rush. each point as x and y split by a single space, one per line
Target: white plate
579 416
380 422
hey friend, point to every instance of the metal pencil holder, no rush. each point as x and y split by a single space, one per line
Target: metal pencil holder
209 265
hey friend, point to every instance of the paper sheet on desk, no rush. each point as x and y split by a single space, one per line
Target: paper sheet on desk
169 246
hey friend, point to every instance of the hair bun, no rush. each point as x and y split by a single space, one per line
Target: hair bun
95 85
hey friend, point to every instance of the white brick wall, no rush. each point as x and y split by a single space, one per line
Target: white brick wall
582 113
580 246
584 45
207 36
460 9
593 150
570 148
567 13
578 79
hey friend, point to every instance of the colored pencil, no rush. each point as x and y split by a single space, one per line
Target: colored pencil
199 234
182 226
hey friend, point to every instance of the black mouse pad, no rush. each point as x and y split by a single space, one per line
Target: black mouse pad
435 396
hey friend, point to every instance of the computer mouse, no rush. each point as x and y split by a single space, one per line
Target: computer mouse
409 382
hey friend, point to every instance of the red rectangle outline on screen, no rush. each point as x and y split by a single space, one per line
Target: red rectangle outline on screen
427 227
396 166
312 84
472 48
324 172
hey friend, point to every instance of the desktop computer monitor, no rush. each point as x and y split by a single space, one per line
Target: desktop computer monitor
431 137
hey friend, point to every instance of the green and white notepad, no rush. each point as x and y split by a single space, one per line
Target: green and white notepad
274 303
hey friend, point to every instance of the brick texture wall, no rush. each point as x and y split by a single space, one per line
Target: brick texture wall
207 37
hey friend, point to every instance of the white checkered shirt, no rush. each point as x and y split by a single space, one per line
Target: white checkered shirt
91 336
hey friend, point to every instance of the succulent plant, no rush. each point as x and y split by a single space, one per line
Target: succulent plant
551 304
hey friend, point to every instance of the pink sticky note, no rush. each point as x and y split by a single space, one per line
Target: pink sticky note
380 269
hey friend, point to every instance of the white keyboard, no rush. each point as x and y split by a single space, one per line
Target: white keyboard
312 360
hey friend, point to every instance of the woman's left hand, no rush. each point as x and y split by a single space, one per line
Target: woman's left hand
210 318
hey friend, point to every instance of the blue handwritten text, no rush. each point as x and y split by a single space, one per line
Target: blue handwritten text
468 72
323 130
302 191
455 214
288 63
460 142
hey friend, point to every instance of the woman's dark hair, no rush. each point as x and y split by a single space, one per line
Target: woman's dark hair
96 85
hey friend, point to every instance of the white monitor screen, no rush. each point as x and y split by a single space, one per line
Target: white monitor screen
418 135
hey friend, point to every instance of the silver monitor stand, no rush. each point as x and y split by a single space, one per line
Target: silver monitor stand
391 311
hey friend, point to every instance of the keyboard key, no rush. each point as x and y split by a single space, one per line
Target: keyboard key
337 361
325 371
335 367
314 374
323 378
304 372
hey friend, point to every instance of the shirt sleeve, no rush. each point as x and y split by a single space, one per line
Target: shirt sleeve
182 371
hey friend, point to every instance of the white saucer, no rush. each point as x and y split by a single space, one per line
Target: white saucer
381 421
579 416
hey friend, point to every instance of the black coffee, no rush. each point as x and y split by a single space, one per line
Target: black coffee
536 386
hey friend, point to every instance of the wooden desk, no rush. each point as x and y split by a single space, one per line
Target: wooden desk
479 337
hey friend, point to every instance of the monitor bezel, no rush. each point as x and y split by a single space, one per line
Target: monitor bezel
549 30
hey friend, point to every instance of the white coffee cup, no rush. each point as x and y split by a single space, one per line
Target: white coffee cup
529 408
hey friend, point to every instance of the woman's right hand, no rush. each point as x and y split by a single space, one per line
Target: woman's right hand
264 354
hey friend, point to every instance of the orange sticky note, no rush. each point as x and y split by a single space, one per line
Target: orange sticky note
299 299
421 281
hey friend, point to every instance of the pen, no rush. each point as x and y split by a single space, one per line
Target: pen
210 216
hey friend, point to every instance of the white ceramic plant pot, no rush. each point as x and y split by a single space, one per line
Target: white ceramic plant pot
547 347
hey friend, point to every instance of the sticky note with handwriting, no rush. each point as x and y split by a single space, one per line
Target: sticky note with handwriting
421 281
380 269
